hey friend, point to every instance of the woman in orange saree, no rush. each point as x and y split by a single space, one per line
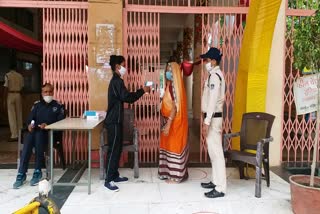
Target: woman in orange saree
174 150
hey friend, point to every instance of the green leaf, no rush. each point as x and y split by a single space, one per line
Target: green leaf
306 39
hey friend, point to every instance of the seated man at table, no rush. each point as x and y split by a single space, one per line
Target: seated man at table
43 113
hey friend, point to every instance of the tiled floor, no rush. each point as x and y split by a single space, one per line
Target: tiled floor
12 199
148 194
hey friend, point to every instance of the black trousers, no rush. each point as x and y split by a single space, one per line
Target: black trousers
39 140
114 132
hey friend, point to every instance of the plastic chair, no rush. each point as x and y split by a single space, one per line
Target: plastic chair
254 145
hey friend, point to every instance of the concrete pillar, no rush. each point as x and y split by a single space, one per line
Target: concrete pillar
275 85
101 12
188 80
196 96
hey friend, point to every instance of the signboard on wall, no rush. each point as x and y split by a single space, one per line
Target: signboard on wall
105 47
305 94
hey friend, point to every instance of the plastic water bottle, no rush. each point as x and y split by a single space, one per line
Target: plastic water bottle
32 123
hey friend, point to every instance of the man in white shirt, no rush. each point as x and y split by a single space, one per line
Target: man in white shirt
212 106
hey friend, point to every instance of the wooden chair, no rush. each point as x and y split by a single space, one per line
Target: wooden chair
130 142
254 135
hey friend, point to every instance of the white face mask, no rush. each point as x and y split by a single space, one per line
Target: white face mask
48 99
122 70
208 66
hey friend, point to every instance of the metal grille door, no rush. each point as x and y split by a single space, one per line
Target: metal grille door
298 132
142 51
225 32
64 59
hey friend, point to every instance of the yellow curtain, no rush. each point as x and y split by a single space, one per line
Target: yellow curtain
251 84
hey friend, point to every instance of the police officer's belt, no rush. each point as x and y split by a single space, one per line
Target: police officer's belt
217 114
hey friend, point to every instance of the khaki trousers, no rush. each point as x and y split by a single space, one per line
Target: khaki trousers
14 113
214 143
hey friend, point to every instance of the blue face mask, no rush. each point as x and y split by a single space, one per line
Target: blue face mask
169 75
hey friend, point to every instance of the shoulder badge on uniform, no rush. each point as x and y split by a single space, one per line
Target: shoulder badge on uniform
54 109
211 86
35 103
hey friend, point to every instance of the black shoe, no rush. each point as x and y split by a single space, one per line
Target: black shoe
214 194
20 180
37 175
161 177
208 185
111 186
121 179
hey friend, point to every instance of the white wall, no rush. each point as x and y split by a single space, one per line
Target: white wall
275 85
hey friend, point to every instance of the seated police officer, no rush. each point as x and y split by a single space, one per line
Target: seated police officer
43 113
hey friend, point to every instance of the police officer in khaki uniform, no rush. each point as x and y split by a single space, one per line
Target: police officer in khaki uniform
212 107
13 85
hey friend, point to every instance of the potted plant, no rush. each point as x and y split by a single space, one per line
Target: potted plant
305 189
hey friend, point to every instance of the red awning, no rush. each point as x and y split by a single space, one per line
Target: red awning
14 39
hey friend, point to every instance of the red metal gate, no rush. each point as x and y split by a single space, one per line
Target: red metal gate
65 50
225 32
297 132
221 27
142 51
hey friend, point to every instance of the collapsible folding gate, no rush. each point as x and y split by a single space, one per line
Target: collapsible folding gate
298 132
221 26
65 50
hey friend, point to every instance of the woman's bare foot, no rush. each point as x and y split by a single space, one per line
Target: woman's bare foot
170 181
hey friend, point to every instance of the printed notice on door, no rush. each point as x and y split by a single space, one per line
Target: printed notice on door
305 94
